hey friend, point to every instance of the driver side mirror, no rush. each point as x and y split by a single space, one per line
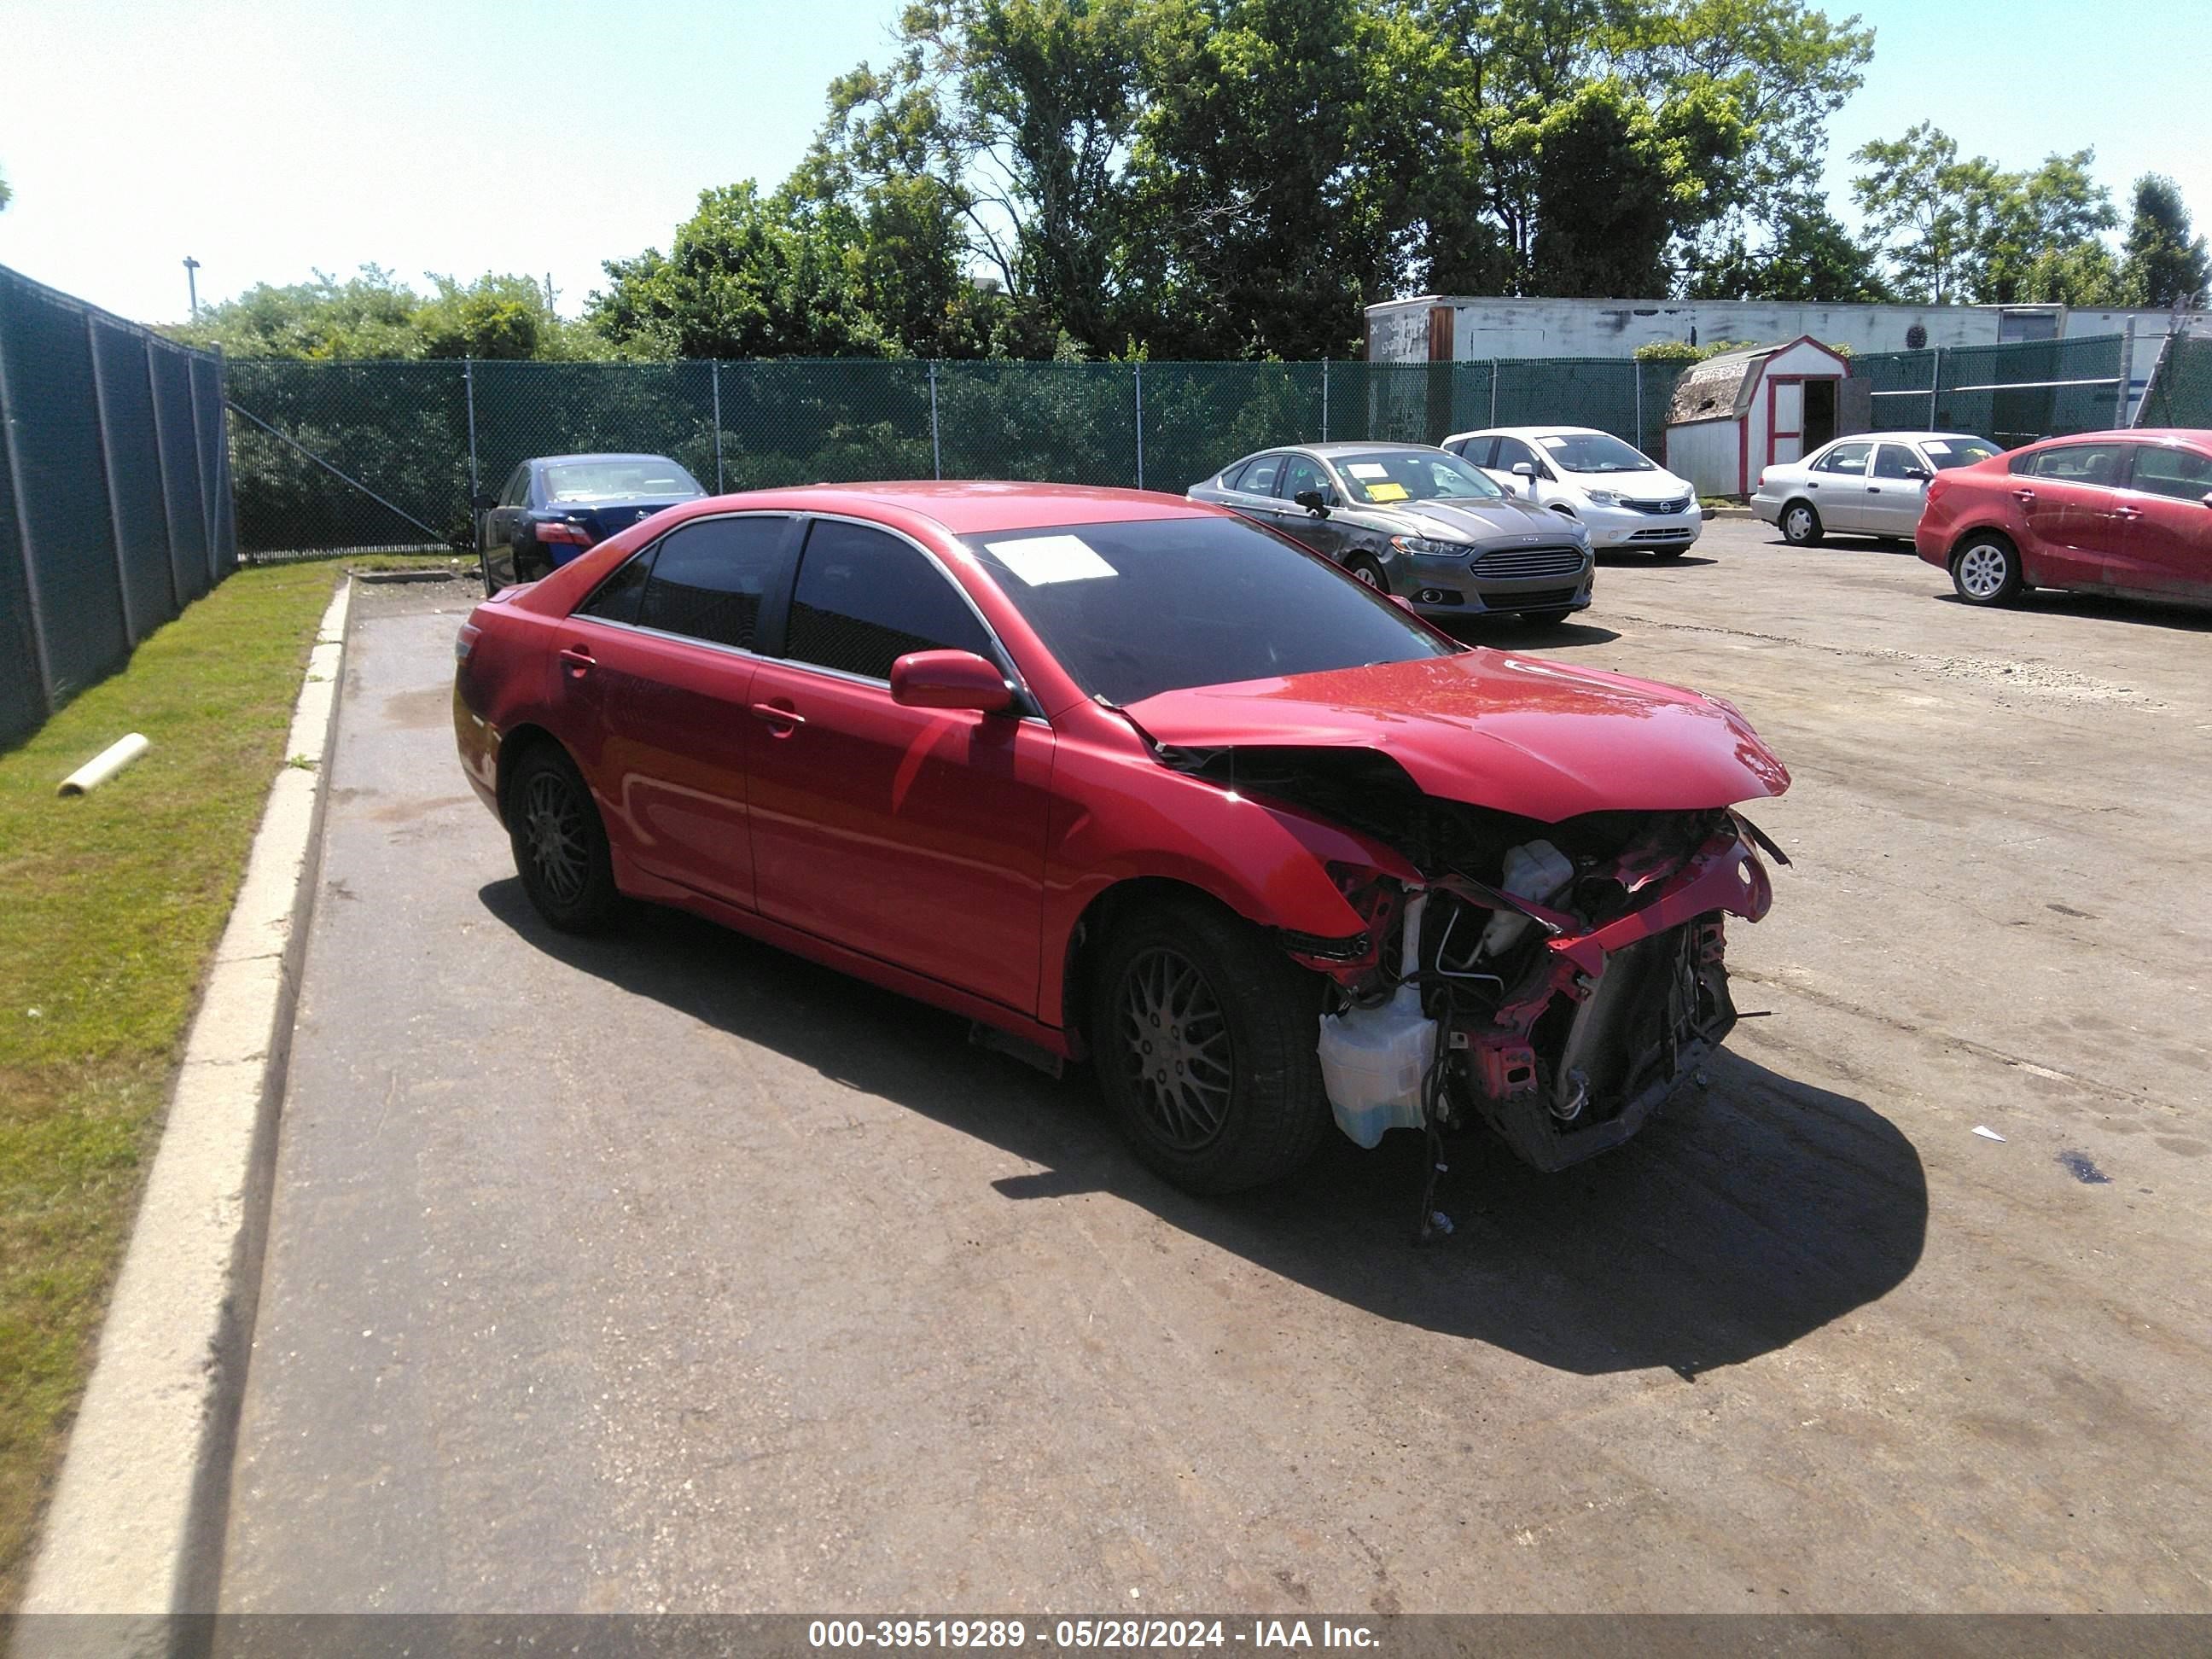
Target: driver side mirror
1312 501
1921 473
950 680
1526 471
484 501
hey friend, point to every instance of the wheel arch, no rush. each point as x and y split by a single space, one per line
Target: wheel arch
1095 924
514 746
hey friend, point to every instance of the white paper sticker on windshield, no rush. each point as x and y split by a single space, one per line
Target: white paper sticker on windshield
1041 561
1937 446
1367 470
1553 443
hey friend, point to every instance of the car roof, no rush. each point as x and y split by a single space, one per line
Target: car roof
1915 437
974 507
1534 432
605 455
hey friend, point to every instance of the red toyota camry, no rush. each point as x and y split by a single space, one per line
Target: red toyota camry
1130 779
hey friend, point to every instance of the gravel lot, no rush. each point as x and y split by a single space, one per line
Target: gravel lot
669 1272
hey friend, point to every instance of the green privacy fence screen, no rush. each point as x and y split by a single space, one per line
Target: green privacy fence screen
332 455
2180 391
384 454
115 502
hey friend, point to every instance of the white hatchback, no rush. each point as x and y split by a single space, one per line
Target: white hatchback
1623 497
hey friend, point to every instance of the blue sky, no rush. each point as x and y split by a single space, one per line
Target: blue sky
462 135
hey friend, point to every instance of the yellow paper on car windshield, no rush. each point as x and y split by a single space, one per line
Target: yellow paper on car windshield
1386 491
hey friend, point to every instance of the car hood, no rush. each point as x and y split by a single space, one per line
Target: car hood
1491 728
1467 522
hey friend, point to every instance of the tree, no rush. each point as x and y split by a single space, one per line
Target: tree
1688 118
2160 262
1965 230
1810 257
1271 173
371 314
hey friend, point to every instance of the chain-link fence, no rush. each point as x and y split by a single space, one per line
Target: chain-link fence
386 454
2011 394
115 502
2180 390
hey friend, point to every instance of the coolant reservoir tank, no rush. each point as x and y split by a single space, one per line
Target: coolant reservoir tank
1534 870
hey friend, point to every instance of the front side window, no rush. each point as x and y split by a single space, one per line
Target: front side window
1303 472
1387 478
865 599
709 578
1896 461
2100 466
2184 474
1134 609
1845 458
1594 452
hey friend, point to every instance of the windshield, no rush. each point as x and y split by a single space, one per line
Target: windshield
1385 477
1944 453
600 480
1594 452
1135 609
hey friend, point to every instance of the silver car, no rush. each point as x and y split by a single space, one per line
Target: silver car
1872 484
1417 523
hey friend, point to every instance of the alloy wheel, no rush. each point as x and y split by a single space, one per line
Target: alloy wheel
553 832
1982 568
1179 1051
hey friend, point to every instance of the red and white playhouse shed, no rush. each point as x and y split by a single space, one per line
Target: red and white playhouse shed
1734 414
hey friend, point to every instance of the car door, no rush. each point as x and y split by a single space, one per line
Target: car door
2067 496
1512 453
655 673
913 836
1896 489
1836 484
2165 517
1331 536
495 530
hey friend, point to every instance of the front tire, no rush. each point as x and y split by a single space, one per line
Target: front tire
1205 1037
1985 570
1668 554
1368 572
560 843
1800 525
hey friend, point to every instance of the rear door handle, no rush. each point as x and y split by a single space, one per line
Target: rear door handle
2127 513
580 661
2024 496
790 719
1873 490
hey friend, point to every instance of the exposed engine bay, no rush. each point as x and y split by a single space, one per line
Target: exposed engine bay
1554 981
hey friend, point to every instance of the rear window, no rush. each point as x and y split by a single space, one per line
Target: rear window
604 481
1132 610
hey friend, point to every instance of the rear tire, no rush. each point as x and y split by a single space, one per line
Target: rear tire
1367 570
560 843
1800 525
1206 1038
1985 570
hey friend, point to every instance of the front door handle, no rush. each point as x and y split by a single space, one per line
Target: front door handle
2127 513
769 714
1873 490
580 661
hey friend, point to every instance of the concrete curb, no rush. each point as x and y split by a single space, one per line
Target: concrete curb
135 1527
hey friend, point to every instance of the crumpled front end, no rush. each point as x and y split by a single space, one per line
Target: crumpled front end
1554 981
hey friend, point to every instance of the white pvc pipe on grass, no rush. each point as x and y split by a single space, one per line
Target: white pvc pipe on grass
104 765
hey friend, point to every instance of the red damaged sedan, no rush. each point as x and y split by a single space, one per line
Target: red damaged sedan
1130 779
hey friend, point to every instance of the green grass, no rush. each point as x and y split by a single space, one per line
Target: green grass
110 905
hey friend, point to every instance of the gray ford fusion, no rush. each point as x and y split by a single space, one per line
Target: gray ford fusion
1416 522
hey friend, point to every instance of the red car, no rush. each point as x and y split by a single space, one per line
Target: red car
1129 778
2126 513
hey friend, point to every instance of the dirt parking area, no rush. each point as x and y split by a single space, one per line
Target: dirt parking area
666 1271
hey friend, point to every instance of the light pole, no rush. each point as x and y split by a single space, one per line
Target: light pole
192 285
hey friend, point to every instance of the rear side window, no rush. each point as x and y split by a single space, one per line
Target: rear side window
1258 478
2101 464
1845 458
1480 451
865 599
2182 473
615 599
709 578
